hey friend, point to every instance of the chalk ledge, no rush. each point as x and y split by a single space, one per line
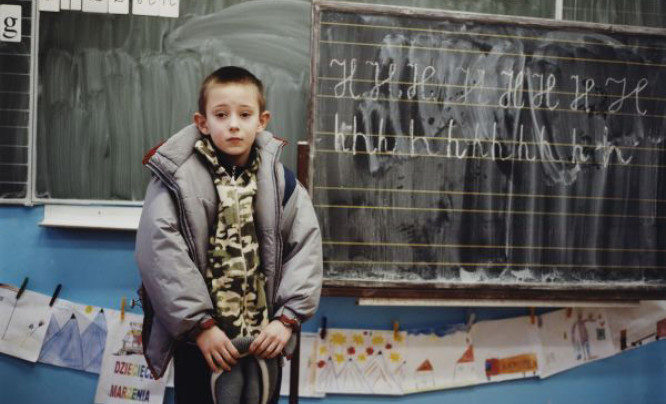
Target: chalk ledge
92 217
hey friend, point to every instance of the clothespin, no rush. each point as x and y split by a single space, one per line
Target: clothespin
569 311
55 294
396 330
471 317
532 316
123 302
22 288
322 331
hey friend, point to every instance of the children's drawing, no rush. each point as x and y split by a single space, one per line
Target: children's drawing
572 337
439 359
361 362
507 349
75 337
636 326
131 342
23 323
124 375
307 374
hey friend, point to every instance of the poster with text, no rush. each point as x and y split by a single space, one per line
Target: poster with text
307 374
572 337
23 322
439 359
361 362
507 349
75 337
125 377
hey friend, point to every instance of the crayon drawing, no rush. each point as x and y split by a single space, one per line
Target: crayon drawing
307 375
75 337
124 375
572 337
507 349
23 323
636 326
361 362
438 359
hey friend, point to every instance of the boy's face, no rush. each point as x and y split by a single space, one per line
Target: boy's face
233 119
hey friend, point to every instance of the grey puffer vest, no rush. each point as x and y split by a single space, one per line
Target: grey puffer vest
172 240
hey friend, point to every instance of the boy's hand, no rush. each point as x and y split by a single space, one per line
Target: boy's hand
217 349
271 341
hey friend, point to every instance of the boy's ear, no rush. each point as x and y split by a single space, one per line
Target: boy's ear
264 118
201 123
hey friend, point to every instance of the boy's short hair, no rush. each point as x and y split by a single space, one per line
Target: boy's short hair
226 75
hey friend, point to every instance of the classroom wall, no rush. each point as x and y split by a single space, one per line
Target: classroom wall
97 268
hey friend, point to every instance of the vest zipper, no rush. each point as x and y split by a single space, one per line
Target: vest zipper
240 242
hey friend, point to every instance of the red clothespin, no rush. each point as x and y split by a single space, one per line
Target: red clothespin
532 316
569 311
396 330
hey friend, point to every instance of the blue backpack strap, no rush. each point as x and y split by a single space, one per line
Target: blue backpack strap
289 185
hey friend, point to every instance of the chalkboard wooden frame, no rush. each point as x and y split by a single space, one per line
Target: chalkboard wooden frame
406 290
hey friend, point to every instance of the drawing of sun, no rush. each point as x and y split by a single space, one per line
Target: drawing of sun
339 358
394 357
338 339
88 309
362 358
323 350
378 340
358 339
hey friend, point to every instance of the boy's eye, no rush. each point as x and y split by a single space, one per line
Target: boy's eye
221 114
245 114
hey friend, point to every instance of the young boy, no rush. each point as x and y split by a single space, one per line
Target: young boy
228 246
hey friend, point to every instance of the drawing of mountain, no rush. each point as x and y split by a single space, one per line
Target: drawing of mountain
351 379
64 347
52 331
379 377
93 340
327 380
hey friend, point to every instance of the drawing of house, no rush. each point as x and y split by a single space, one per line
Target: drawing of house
465 367
425 376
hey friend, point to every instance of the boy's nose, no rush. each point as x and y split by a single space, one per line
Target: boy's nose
233 122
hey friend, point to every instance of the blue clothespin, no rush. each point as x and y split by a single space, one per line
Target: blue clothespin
22 288
56 292
322 331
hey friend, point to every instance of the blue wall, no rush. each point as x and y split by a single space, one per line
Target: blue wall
97 267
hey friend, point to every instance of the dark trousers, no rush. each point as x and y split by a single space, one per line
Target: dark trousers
192 379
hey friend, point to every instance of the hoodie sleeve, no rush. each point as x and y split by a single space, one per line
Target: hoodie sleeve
300 287
176 289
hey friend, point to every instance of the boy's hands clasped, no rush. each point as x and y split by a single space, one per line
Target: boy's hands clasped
220 353
271 341
217 349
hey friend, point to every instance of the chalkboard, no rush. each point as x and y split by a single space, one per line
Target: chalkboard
463 154
113 86
15 60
